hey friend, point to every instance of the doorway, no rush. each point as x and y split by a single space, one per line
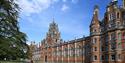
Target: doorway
45 58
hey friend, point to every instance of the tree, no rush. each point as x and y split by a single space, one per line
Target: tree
12 40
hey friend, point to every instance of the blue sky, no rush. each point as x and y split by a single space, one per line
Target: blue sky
72 16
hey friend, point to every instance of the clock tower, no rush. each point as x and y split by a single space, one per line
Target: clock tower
53 34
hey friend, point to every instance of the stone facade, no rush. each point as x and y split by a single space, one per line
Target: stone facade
35 53
106 43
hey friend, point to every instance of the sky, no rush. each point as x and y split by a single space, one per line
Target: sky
72 16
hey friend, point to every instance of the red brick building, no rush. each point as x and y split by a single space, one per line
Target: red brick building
106 43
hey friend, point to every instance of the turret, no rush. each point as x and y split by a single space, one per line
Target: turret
95 24
53 35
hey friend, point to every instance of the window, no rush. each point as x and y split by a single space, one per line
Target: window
102 57
102 49
118 24
106 48
123 16
123 39
65 52
111 16
118 15
108 9
70 50
95 57
119 40
119 35
119 56
95 48
94 40
112 36
95 30
106 57
113 57
124 35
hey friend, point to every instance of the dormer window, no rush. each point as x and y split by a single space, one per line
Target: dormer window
110 16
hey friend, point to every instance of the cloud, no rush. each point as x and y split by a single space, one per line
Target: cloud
34 6
64 8
29 43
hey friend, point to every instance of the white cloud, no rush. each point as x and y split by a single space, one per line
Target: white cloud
29 43
64 8
34 6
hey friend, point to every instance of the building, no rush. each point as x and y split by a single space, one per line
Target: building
106 43
35 53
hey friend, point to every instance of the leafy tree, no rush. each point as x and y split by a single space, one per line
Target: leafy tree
12 40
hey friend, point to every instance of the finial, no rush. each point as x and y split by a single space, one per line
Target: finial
53 20
96 7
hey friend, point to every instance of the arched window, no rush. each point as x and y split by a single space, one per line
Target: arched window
113 57
123 40
71 51
118 24
119 35
123 36
119 40
102 48
95 30
102 57
94 40
119 56
118 15
95 48
95 57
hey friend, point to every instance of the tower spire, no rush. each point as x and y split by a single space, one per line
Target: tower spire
96 9
95 15
53 19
